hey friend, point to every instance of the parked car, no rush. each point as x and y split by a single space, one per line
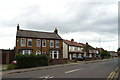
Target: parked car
79 58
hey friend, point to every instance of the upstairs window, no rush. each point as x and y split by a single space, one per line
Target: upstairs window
29 42
23 42
57 44
38 42
51 43
43 43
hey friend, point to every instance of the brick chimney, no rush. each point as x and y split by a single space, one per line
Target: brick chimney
72 40
56 31
18 27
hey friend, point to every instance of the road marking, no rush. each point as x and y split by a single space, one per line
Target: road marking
47 77
72 71
112 74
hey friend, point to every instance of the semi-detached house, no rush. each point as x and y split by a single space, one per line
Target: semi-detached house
72 50
37 42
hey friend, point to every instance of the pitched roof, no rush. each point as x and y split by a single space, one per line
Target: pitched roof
100 49
37 34
72 43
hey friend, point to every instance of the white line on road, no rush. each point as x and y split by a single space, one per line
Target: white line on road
72 71
47 77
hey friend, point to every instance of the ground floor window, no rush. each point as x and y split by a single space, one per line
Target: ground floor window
38 52
79 55
90 55
74 55
44 53
26 52
54 54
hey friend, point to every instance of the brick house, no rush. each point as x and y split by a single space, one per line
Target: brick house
72 49
37 42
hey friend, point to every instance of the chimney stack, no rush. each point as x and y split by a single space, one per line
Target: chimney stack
18 27
72 40
86 43
56 31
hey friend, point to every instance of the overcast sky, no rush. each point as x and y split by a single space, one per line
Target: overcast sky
91 21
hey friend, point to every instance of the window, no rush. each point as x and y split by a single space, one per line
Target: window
54 54
26 52
74 55
38 42
43 43
23 42
57 44
38 52
51 43
75 48
44 53
29 42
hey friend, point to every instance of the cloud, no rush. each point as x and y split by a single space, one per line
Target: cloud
87 19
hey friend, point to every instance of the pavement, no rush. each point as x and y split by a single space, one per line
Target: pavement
46 67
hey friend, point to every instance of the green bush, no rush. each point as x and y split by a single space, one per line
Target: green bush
11 66
73 60
105 54
27 61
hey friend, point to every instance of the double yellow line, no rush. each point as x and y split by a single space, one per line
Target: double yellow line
112 74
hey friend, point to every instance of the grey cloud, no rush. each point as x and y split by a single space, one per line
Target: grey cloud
78 17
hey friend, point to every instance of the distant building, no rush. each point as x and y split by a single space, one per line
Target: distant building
72 49
113 53
90 51
37 42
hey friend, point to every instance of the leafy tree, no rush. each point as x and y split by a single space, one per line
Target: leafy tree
105 54
86 48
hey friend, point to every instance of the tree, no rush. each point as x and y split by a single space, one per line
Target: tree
105 54
86 48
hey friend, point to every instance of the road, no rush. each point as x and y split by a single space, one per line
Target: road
90 70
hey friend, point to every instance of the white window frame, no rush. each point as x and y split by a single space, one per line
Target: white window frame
43 43
38 42
57 42
74 55
28 42
23 52
51 42
52 54
21 42
38 52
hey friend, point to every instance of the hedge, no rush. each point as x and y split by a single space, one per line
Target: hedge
27 61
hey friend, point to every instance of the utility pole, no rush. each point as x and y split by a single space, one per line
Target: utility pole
99 43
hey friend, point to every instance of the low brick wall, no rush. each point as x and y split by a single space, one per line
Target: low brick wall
59 61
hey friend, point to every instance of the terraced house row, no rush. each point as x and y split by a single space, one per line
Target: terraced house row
50 44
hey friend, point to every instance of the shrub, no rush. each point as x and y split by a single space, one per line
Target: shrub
27 61
73 60
11 66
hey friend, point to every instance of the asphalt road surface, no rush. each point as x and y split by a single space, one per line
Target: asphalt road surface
90 70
